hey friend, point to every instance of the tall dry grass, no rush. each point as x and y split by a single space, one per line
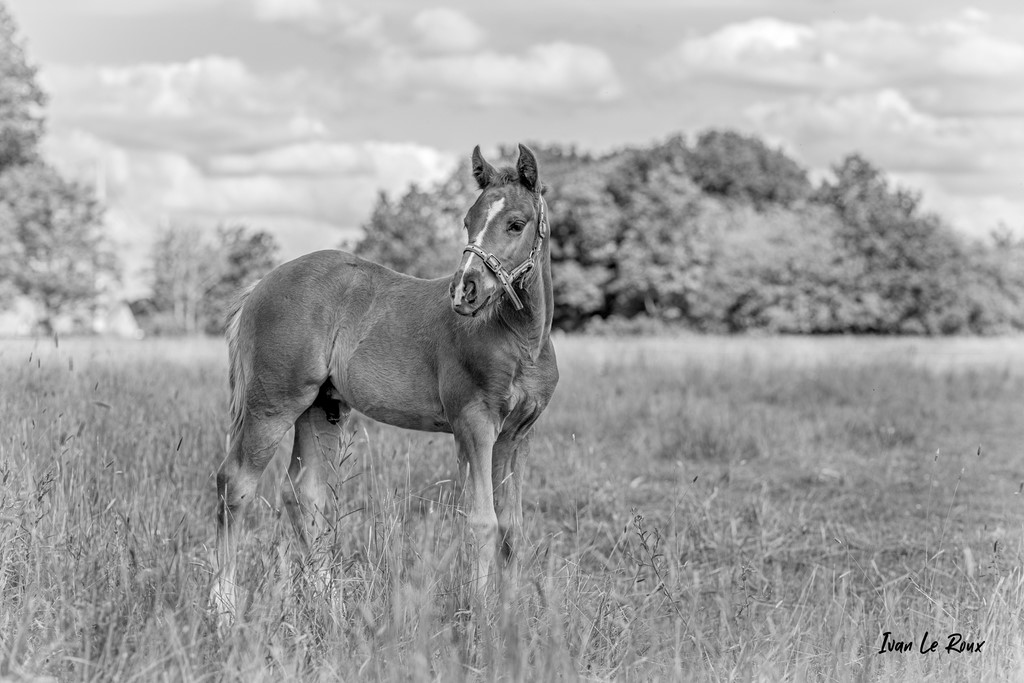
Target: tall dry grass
696 509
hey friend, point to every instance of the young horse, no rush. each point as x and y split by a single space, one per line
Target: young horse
470 355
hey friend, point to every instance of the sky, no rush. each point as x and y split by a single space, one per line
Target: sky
292 115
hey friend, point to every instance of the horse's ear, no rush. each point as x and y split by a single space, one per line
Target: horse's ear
527 168
483 172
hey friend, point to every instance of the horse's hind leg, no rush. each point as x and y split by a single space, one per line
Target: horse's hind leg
315 456
249 454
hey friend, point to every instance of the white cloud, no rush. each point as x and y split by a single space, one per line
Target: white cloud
174 90
288 10
436 55
975 14
973 53
206 103
327 181
554 72
442 29
378 159
135 7
888 127
347 24
836 55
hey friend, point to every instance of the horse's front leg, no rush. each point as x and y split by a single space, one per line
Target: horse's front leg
507 480
475 434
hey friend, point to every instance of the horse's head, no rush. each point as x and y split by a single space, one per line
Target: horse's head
505 225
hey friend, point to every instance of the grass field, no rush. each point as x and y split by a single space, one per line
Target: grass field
697 509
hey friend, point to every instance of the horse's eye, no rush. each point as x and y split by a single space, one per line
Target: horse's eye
517 226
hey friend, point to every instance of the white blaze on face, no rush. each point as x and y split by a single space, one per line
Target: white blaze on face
492 211
460 292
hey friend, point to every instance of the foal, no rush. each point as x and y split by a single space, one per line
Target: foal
470 355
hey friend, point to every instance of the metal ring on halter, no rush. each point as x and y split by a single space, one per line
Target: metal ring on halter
507 279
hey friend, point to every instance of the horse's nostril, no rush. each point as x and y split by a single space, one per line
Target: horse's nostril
451 289
470 291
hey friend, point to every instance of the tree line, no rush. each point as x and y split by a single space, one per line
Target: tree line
723 233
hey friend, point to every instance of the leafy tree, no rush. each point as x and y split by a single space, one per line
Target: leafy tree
993 289
21 98
196 274
624 241
245 256
419 233
863 258
662 252
777 270
585 225
741 167
53 247
883 223
913 261
184 272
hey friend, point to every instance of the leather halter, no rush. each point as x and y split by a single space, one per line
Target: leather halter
508 279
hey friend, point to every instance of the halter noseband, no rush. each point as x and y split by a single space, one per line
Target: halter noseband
509 279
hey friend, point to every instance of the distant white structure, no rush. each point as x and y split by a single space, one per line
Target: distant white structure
110 318
116 320
19 318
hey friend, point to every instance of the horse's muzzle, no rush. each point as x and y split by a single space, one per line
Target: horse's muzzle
471 290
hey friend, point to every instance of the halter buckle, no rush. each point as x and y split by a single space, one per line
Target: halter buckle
493 263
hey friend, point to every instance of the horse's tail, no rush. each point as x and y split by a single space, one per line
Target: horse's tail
238 361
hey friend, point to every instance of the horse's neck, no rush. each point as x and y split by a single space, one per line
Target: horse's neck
533 323
547 291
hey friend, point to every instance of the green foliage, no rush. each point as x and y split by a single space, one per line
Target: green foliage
991 297
584 236
776 270
51 242
419 234
728 164
184 272
21 98
624 238
244 256
727 234
913 264
662 252
197 274
52 248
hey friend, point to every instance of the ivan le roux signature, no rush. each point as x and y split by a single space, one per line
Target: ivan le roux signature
956 644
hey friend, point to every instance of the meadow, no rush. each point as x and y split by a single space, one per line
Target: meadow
700 508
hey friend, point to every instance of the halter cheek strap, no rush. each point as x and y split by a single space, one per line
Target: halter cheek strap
509 279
